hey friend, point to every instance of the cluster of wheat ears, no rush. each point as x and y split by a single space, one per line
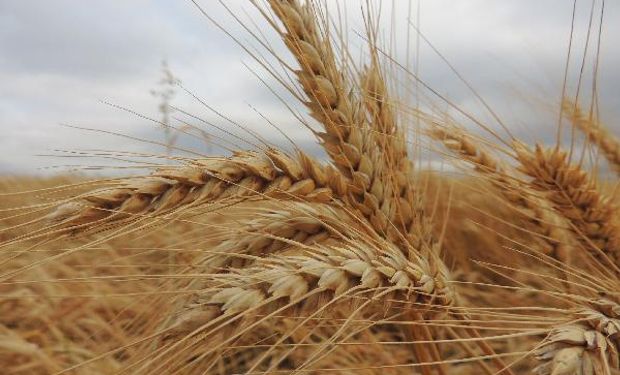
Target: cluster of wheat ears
268 261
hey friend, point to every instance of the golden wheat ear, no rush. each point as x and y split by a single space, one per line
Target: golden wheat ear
264 231
596 133
575 195
401 197
549 229
588 344
307 283
204 182
361 134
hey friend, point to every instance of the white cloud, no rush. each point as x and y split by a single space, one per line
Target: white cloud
58 59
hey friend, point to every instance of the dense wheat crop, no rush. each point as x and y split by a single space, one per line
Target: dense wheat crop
366 261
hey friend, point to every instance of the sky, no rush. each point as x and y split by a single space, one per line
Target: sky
66 65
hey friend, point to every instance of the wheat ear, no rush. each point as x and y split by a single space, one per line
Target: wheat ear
587 345
401 204
369 260
309 282
539 217
596 133
246 174
575 195
328 98
267 233
348 139
295 275
261 234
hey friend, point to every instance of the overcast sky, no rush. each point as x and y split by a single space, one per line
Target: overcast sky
59 59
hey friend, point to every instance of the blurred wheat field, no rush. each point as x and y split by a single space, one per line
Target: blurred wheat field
367 261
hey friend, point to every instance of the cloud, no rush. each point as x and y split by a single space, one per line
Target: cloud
60 58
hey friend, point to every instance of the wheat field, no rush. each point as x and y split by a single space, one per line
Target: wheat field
364 261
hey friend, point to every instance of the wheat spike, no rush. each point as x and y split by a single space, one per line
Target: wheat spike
396 177
246 174
574 194
296 274
587 346
540 218
358 150
266 233
596 133
326 278
324 86
273 231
